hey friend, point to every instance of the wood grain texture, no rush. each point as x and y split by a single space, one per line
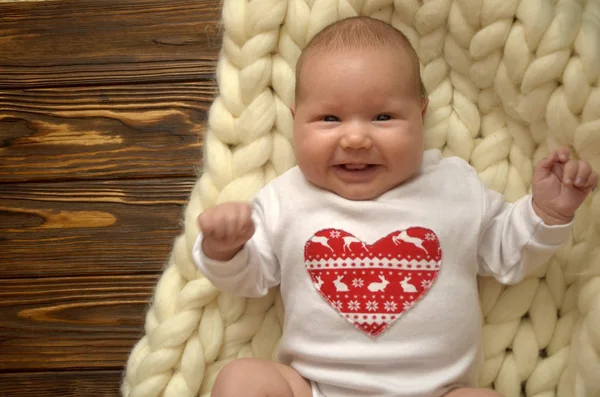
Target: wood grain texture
61 384
72 42
90 227
102 109
71 322
102 132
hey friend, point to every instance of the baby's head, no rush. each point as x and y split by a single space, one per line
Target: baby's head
359 108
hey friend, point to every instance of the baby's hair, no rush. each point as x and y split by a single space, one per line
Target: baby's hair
360 33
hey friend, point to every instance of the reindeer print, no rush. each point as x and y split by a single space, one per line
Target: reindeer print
404 237
372 284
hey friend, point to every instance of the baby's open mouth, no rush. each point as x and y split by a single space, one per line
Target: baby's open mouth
356 167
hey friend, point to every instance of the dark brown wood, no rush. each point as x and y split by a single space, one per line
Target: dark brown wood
102 132
71 322
90 227
61 384
102 110
63 43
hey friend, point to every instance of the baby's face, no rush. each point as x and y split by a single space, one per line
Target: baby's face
358 122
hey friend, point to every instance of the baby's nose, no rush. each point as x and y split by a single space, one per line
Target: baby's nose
356 137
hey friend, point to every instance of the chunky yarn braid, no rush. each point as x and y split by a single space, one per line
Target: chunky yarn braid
508 81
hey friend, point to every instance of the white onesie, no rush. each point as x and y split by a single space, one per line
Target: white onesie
381 296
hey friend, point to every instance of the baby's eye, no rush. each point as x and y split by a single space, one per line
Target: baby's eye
382 117
330 119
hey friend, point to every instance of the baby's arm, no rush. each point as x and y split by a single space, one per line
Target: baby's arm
519 237
514 239
233 250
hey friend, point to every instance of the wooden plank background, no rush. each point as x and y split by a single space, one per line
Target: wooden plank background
102 105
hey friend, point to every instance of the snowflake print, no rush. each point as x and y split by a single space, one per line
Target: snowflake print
407 305
430 237
354 305
358 282
338 305
390 306
371 306
334 234
426 284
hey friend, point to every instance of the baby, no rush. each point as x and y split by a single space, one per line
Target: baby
375 243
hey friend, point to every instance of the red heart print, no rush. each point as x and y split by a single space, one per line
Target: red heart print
372 285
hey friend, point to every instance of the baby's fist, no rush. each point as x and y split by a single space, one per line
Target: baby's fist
226 228
560 185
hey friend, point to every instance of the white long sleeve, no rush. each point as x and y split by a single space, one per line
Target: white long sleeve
388 284
515 240
255 268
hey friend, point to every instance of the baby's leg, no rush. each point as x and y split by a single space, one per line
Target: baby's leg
251 377
469 392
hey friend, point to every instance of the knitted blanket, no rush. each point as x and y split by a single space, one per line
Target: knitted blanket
509 80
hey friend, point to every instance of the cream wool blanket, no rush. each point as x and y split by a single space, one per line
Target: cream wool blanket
509 80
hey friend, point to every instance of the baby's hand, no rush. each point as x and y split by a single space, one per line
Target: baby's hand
226 228
560 186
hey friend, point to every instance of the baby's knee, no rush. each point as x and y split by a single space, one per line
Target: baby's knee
237 370
251 377
233 376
